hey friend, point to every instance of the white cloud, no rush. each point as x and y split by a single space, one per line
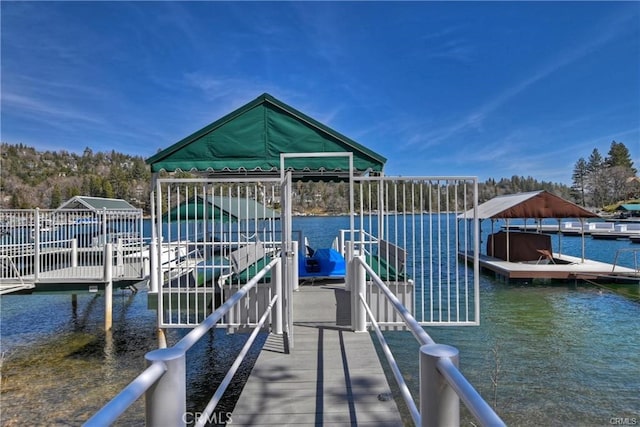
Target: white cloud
43 110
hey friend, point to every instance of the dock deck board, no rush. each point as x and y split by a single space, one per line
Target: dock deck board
331 376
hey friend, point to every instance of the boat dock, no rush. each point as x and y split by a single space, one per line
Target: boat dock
84 244
563 267
331 376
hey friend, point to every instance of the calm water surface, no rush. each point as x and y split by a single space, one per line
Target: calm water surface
558 354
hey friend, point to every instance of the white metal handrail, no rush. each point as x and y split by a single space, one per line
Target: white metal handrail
226 381
66 246
158 368
478 407
404 390
361 237
465 391
635 252
198 332
413 325
132 392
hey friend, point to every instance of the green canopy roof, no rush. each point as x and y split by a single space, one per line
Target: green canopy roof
252 137
632 207
220 208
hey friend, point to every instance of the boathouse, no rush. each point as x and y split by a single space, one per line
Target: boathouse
629 209
517 251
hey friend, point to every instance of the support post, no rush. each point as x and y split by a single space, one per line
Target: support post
74 253
162 338
439 403
276 282
108 286
294 265
153 266
74 305
36 245
119 254
358 282
348 258
166 400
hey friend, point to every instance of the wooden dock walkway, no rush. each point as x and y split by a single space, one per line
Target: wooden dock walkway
332 376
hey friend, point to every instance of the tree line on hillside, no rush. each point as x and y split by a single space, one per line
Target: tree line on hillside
601 181
30 178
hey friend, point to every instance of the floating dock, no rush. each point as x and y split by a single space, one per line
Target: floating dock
332 376
564 267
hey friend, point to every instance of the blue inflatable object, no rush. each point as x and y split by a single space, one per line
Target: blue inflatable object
323 263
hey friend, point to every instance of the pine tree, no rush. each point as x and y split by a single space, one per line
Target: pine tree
56 197
579 177
597 178
620 170
619 156
107 190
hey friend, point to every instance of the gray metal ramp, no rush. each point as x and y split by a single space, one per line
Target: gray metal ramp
332 376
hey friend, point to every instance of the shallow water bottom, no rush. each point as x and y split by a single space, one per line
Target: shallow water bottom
59 366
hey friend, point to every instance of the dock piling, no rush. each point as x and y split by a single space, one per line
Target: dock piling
108 286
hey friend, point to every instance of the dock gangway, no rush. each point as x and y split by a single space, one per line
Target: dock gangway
164 384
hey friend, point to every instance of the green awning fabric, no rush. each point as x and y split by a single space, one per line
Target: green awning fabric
252 137
220 209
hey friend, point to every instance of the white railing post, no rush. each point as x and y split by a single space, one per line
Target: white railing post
276 282
108 285
294 265
153 266
358 281
119 253
348 258
166 400
36 245
439 403
74 253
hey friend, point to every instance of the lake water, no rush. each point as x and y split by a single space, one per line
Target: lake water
558 354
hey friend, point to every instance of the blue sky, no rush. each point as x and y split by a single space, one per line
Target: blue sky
487 89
